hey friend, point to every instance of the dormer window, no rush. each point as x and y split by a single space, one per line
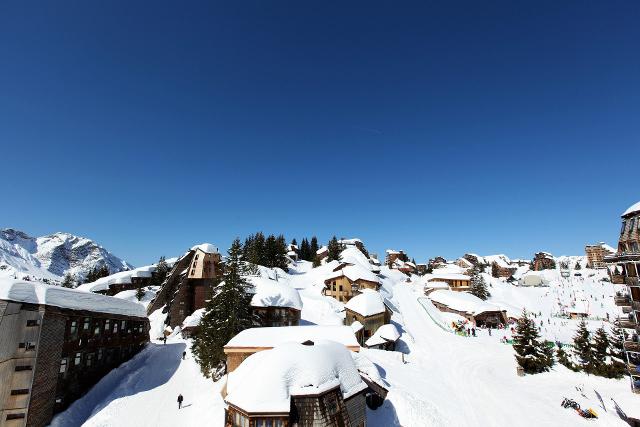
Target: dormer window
624 224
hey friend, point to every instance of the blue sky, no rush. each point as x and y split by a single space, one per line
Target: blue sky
491 127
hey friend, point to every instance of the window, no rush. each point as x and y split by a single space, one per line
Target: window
27 346
86 324
631 224
96 328
123 325
624 224
17 416
63 366
100 354
77 360
31 323
73 328
23 368
331 404
19 392
89 359
107 325
115 327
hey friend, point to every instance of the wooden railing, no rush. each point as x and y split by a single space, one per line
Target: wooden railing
622 300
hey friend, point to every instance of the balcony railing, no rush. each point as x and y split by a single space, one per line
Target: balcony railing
623 300
632 346
626 323
631 281
617 279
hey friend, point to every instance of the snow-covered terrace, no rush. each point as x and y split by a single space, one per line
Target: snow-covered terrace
270 337
463 302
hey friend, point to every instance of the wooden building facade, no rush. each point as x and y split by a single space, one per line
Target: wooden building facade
51 355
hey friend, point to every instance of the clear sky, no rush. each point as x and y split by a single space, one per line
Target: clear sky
491 127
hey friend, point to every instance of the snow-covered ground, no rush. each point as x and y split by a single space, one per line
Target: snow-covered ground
437 378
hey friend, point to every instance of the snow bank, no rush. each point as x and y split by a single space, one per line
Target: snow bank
367 303
292 369
39 293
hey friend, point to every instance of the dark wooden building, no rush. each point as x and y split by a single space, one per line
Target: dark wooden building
624 270
56 343
543 261
189 284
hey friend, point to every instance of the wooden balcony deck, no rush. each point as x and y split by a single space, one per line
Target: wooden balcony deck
622 301
626 323
632 346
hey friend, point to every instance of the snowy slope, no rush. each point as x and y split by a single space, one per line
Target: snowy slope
436 378
51 257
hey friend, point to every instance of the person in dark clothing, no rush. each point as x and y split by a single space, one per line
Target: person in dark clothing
489 331
184 354
164 339
473 331
180 399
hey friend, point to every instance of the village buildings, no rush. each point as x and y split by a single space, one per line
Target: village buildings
596 253
189 283
624 270
366 313
348 279
315 383
274 303
469 307
56 343
456 281
543 261
123 280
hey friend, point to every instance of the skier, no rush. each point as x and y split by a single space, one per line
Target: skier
489 331
164 339
184 353
180 399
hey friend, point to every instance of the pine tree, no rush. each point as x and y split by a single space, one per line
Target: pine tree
227 313
478 285
617 339
600 348
281 253
294 242
316 261
160 275
533 355
305 250
69 281
563 359
494 270
582 347
313 249
334 249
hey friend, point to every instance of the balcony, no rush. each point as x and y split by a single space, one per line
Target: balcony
626 309
631 281
623 300
632 346
617 279
626 323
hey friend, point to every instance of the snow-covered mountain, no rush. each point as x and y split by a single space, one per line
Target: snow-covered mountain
51 257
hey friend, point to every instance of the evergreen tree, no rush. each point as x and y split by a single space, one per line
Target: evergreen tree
313 249
160 275
334 249
294 242
577 267
582 347
600 348
227 313
281 253
617 339
305 250
563 359
69 281
478 285
533 355
316 261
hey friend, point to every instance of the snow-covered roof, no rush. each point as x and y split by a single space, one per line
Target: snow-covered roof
436 285
270 337
349 241
354 273
292 370
439 276
367 303
269 293
632 209
193 319
393 252
356 326
501 260
321 250
40 293
207 248
462 301
384 334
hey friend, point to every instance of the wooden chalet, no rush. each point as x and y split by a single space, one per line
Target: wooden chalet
456 281
596 253
472 308
365 313
543 261
348 280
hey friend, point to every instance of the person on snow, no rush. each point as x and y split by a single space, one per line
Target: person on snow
184 354
164 339
473 331
180 399
489 331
